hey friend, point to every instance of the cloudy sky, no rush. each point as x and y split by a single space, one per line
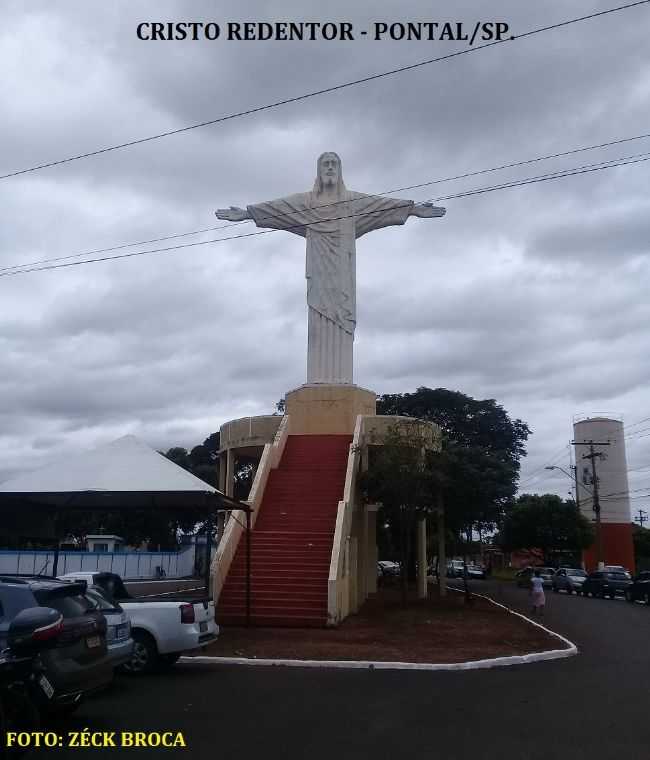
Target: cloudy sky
535 296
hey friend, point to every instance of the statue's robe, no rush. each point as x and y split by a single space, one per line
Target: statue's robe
331 230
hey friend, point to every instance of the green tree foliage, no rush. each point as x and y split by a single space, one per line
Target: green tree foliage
464 420
478 468
548 523
399 477
201 461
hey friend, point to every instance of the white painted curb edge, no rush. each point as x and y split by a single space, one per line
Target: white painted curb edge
496 662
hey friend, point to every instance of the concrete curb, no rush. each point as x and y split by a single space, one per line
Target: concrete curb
496 662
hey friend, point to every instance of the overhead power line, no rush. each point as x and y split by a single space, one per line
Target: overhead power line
636 424
428 183
322 91
535 474
613 163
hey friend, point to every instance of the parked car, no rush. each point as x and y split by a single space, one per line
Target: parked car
569 579
639 589
161 629
455 568
118 626
618 569
476 571
603 583
79 664
387 569
523 576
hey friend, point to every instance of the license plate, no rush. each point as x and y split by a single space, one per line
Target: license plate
203 627
93 641
46 686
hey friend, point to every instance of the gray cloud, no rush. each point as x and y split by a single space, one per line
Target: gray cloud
534 296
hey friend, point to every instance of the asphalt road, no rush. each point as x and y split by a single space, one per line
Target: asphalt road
594 706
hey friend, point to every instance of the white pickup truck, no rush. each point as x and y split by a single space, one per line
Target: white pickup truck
161 629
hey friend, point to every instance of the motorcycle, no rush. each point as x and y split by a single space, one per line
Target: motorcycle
24 687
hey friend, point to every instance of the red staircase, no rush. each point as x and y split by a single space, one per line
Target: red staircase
291 544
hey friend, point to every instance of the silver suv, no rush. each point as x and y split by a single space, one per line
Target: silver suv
569 579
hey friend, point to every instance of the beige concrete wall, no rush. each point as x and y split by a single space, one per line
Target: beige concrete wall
375 428
249 431
328 409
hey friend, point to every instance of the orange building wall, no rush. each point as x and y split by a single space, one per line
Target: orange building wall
618 547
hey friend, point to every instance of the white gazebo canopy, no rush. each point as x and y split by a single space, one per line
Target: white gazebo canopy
124 474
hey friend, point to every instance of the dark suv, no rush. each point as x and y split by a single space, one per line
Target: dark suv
639 590
79 662
604 583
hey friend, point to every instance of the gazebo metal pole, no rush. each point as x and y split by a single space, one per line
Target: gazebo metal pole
55 564
208 551
248 568
57 546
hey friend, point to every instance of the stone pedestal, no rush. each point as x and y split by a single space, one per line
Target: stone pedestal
322 409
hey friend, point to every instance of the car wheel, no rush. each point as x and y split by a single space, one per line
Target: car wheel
145 654
628 596
20 714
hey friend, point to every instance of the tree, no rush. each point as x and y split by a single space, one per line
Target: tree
400 479
548 523
464 420
477 471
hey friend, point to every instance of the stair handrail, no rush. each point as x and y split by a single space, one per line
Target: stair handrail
235 527
342 529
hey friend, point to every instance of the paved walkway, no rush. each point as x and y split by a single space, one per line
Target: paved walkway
592 707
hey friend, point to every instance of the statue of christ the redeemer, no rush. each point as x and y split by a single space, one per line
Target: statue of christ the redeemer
331 218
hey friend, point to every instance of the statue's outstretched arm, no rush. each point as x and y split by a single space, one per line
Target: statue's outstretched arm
427 210
233 214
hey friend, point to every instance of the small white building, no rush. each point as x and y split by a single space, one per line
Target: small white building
104 543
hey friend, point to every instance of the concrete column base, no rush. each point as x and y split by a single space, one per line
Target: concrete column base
422 558
322 409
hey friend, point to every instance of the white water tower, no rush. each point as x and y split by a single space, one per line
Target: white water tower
604 436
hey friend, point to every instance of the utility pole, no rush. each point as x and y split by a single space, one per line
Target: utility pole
593 455
574 467
641 517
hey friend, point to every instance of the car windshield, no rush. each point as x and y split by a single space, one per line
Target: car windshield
69 606
100 602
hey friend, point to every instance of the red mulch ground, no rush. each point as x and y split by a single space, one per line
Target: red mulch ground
433 630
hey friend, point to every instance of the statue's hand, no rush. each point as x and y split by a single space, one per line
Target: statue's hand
428 210
232 214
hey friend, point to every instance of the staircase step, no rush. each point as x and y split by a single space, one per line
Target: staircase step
282 574
235 585
291 543
275 621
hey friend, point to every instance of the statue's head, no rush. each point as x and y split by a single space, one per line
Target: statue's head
329 174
